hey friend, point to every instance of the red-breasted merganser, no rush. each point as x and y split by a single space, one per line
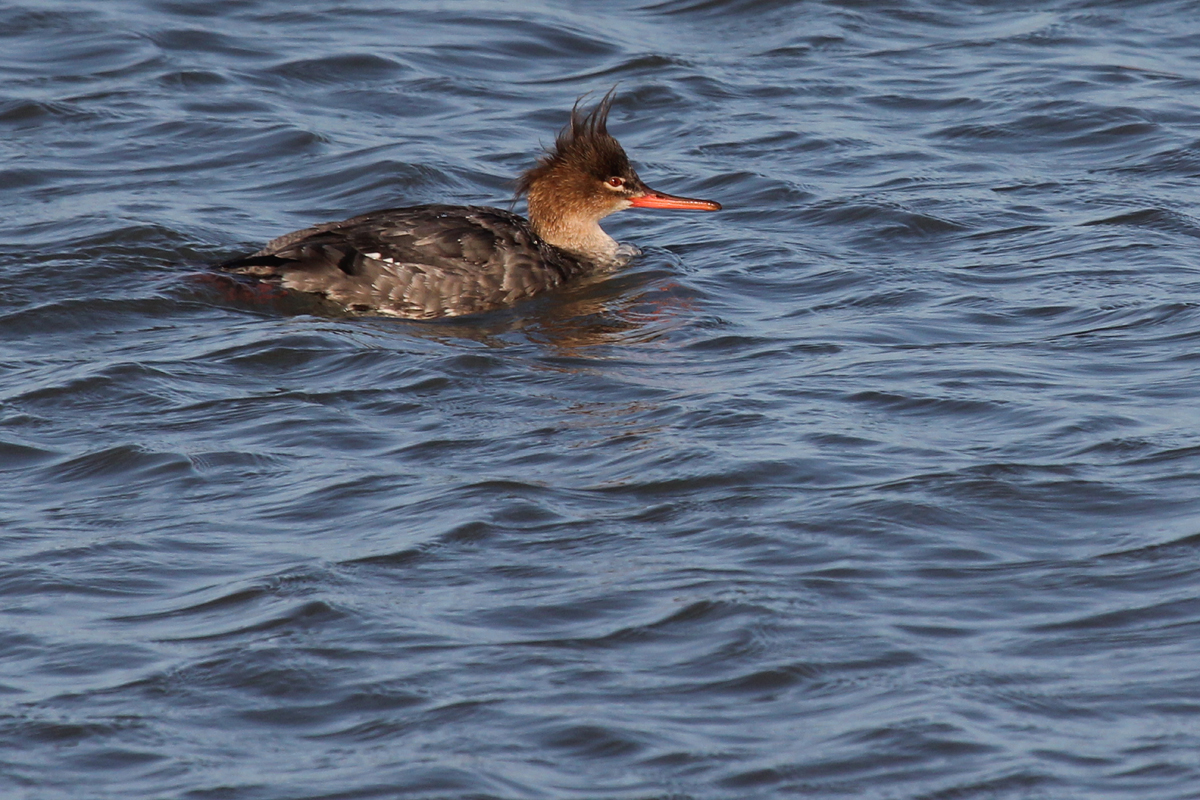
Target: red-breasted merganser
425 262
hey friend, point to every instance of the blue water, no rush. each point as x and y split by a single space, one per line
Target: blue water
884 482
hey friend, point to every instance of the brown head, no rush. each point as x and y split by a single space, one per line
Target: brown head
586 177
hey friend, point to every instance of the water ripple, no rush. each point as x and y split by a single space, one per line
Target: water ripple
882 482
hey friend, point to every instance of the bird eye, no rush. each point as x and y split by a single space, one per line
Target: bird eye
616 182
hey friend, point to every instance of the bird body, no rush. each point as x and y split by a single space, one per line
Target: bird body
432 261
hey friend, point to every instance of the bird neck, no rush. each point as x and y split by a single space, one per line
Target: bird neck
571 226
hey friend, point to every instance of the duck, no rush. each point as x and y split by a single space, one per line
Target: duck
433 261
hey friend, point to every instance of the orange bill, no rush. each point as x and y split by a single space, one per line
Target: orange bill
653 199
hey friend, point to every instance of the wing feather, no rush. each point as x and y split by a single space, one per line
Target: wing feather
419 262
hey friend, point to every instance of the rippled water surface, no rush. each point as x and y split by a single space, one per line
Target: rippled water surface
882 483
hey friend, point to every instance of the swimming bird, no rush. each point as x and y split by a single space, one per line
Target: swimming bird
431 261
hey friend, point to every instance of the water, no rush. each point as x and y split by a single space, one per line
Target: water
883 483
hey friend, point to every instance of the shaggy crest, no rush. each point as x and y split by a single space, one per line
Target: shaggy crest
583 146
